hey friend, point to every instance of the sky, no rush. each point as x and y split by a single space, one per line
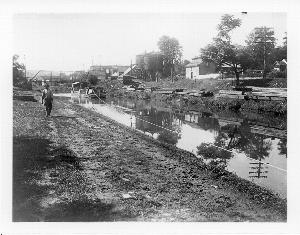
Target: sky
68 42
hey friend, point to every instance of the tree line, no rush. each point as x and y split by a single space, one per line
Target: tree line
259 53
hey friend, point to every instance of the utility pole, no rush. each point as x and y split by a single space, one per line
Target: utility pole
264 40
172 72
258 170
25 66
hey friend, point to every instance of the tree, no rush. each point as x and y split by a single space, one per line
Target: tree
228 23
180 68
19 78
280 52
261 44
172 52
222 52
18 69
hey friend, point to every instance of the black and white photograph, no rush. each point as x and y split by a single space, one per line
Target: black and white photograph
177 116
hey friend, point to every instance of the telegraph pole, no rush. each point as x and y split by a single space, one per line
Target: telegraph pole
258 170
264 40
25 66
172 71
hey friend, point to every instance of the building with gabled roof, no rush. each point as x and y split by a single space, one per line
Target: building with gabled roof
198 69
280 65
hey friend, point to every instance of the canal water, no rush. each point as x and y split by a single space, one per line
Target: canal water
252 147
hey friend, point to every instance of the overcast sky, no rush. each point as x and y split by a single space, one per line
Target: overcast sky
75 41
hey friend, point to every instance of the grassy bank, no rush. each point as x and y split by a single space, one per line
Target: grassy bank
219 84
208 103
114 88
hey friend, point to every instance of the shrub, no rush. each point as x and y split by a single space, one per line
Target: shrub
277 74
92 79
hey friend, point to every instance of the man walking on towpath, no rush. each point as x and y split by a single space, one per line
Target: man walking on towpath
47 99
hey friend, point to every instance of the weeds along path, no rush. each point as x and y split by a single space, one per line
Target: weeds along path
91 169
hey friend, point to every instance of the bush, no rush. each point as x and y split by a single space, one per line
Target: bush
92 79
277 74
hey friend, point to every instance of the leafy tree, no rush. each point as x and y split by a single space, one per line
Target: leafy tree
18 70
260 45
19 74
222 52
228 23
280 52
172 52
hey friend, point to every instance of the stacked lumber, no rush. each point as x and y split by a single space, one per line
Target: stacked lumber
258 93
23 95
231 94
164 91
261 93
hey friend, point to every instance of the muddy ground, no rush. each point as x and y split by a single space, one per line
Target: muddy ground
80 166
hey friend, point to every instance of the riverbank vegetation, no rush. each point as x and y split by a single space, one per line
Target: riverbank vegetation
208 103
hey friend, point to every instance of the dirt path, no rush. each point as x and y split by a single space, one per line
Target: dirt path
80 166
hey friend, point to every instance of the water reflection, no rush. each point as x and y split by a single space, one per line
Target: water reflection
168 137
242 139
254 140
239 138
282 147
145 118
217 156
